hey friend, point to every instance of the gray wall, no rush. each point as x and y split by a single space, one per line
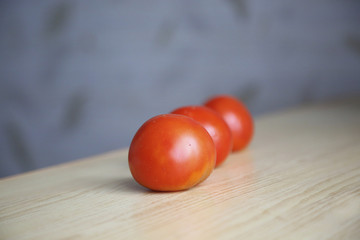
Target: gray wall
78 78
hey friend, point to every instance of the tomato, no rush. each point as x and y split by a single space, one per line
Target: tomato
236 116
215 125
171 152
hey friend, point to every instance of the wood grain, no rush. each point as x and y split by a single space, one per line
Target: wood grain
299 179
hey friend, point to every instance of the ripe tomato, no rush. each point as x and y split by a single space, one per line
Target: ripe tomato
215 125
171 152
236 116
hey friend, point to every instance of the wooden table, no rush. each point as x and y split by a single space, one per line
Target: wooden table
300 179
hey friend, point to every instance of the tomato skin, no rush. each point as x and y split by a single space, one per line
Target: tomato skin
215 125
171 152
237 116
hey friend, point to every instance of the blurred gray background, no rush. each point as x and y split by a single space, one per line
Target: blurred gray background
77 78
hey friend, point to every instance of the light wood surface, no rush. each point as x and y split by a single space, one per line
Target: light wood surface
299 179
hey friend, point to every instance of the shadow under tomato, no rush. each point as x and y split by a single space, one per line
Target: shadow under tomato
124 184
130 185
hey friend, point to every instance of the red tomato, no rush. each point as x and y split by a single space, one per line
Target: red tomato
171 152
236 116
215 125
